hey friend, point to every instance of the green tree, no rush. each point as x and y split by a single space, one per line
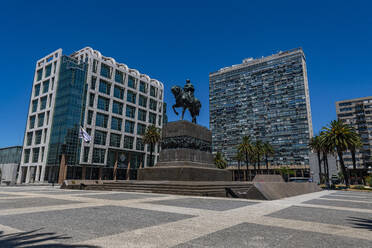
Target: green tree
151 137
315 145
258 151
246 149
353 147
286 172
220 161
340 137
268 150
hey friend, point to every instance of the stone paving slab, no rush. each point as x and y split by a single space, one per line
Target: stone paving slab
326 216
254 235
121 196
8 195
65 192
355 193
32 202
344 204
341 197
203 203
89 223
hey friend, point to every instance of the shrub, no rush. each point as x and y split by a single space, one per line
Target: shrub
369 180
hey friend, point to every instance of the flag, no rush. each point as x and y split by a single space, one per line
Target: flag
84 135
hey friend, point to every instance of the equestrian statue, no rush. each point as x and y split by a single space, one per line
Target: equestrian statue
185 99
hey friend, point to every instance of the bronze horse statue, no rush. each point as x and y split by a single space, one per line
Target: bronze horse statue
185 99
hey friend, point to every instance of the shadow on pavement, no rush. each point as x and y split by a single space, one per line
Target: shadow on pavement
34 239
361 223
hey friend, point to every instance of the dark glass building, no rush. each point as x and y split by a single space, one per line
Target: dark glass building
266 99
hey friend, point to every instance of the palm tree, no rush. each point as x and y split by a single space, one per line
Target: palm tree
316 147
353 147
268 151
325 149
246 149
151 137
220 161
239 157
340 137
258 152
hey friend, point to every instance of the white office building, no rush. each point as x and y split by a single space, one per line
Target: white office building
112 102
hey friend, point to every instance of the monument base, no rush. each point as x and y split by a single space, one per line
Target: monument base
183 173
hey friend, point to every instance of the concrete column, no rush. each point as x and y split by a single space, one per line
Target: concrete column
28 174
83 172
42 176
20 174
145 161
37 178
100 173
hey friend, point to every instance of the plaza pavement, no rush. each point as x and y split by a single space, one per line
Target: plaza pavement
43 216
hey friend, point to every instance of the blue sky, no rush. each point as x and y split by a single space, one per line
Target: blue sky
172 41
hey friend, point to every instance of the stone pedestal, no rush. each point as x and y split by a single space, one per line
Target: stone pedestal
185 155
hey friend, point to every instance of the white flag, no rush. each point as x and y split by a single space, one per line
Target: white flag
84 135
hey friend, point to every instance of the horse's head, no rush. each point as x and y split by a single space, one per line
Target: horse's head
176 90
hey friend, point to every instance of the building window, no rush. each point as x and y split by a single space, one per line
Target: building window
91 100
45 86
101 120
45 135
141 129
139 145
118 92
39 74
85 154
119 76
40 121
117 108
32 121
153 104
48 70
90 117
95 65
38 137
26 157
115 140
142 101
152 118
29 138
50 100
105 70
153 91
93 83
43 102
100 137
131 82
104 87
130 111
99 155
37 90
34 105
131 96
103 103
116 123
143 87
129 126
35 155
142 115
128 142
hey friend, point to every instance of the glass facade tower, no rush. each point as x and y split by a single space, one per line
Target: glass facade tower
112 102
266 99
